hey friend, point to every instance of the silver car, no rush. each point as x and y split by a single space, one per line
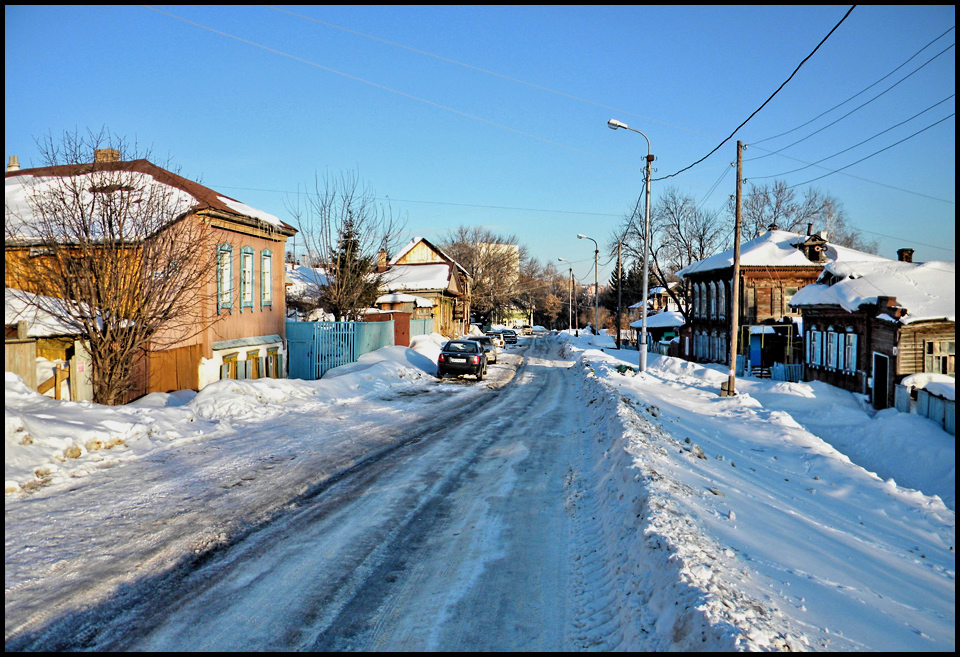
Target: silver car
488 345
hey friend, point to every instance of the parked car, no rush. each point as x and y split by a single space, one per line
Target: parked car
462 357
526 329
497 337
509 336
488 346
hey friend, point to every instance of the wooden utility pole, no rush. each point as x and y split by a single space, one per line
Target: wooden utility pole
729 389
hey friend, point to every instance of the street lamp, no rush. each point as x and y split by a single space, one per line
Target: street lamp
596 282
570 301
613 124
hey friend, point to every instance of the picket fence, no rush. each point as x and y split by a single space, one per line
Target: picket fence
317 347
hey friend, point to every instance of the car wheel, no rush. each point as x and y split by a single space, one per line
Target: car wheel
440 375
480 375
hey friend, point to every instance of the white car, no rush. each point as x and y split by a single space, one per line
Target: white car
497 337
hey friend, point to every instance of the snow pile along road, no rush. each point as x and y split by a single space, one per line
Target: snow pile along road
753 533
50 442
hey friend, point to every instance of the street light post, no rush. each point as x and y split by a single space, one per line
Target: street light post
570 299
596 282
613 124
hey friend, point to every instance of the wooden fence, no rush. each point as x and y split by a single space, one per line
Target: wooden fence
939 409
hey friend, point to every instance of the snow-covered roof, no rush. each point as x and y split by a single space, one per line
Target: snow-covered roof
926 290
304 280
667 319
417 277
42 314
775 248
178 194
420 302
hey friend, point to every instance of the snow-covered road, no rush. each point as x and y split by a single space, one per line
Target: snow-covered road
562 503
460 540
464 537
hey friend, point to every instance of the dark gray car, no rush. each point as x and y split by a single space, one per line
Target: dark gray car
462 357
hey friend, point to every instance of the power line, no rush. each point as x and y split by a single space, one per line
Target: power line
764 102
856 145
406 200
876 153
859 107
486 71
760 141
391 90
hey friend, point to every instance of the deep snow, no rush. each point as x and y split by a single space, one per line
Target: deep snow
753 522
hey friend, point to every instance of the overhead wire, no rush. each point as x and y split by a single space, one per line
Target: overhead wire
875 153
760 141
483 70
756 111
391 90
856 145
859 107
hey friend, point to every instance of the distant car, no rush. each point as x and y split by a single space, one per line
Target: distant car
526 330
488 346
462 357
497 337
509 336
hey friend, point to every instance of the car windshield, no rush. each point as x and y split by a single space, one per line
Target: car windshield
462 347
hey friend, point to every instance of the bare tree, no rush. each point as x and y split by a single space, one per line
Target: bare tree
494 261
681 234
111 250
776 204
343 229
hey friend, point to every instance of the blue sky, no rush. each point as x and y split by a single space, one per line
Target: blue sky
451 144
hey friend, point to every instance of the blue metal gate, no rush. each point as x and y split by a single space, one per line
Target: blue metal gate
317 347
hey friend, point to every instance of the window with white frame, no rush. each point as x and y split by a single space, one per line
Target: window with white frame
850 347
815 352
224 278
246 278
831 348
266 279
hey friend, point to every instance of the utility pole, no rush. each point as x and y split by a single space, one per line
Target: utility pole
619 291
729 389
570 303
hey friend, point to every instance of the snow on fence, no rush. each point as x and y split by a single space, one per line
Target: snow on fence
939 409
317 347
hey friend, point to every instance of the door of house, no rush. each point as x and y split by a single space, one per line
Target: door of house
756 350
881 382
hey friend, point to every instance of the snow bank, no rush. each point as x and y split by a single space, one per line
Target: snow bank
744 530
48 442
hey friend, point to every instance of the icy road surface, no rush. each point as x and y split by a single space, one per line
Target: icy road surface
475 534
458 541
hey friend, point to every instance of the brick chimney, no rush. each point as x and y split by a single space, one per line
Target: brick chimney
381 261
889 306
13 163
106 155
905 255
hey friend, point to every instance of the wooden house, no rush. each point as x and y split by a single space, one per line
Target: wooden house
422 269
870 324
240 327
773 268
